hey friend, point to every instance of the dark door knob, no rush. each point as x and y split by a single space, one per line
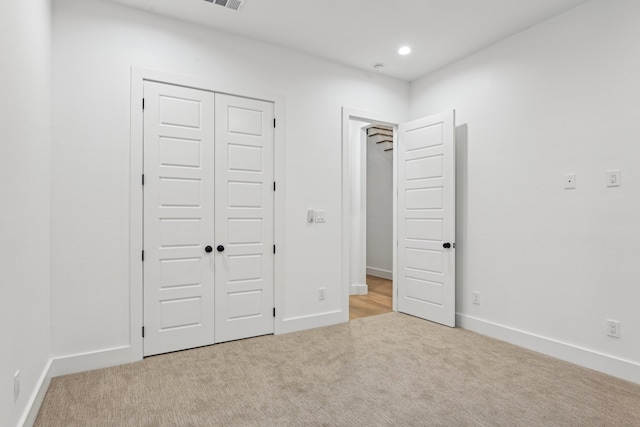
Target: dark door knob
220 248
446 245
208 249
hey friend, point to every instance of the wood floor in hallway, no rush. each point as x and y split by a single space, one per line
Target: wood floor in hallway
377 301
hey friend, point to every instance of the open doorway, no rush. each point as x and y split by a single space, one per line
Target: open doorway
372 172
377 222
423 213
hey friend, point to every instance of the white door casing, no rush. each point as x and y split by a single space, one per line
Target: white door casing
178 218
426 218
244 191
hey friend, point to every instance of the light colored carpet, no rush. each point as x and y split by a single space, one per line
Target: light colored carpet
390 369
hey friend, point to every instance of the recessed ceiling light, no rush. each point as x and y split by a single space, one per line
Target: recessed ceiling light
404 50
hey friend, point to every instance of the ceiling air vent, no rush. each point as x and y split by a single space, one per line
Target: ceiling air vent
229 4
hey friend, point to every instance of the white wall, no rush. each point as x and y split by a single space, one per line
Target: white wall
379 211
550 263
95 45
25 109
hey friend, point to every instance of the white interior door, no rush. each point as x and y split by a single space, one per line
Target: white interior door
244 218
178 218
426 218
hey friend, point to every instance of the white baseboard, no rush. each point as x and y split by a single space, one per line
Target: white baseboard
357 289
377 272
37 397
71 365
92 360
611 365
295 324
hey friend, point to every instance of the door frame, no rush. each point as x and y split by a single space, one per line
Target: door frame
136 213
348 163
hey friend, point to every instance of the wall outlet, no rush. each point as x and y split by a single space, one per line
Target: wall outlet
322 294
475 297
613 328
321 216
16 386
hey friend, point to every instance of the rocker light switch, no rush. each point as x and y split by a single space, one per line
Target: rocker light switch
613 178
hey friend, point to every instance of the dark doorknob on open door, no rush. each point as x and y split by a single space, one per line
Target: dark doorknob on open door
220 248
446 245
208 249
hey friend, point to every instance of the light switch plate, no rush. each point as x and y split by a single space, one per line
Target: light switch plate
613 178
569 181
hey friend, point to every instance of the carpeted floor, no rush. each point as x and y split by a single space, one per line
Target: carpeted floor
390 369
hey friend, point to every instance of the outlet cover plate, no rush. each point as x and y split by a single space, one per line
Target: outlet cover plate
475 297
613 328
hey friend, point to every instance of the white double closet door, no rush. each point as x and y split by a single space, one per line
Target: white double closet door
208 218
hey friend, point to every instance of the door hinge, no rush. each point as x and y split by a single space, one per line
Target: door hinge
143 103
274 186
143 332
274 249
274 122
274 312
142 179
143 255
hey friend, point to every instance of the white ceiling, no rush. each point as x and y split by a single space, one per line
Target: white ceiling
362 33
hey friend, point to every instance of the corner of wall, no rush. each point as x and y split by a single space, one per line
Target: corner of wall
37 397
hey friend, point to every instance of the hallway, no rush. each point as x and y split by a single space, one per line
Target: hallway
377 301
